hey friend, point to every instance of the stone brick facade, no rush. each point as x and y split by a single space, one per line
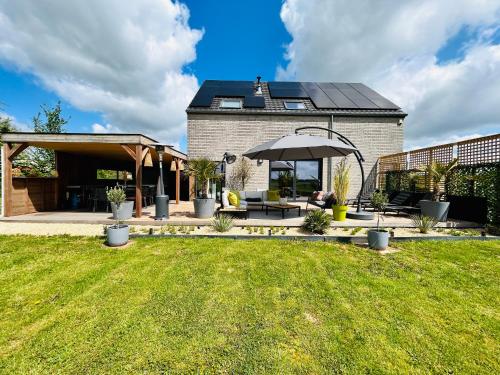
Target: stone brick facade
210 135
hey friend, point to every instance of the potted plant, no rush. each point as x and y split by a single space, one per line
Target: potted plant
340 189
122 211
203 170
117 234
284 179
437 172
378 238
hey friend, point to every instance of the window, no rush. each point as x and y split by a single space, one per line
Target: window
111 174
294 105
230 103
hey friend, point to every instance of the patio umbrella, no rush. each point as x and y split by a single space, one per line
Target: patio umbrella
305 147
281 166
299 147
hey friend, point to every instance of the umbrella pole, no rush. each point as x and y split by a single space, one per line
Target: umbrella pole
359 214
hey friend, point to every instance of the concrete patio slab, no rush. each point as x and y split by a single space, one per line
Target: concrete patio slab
183 214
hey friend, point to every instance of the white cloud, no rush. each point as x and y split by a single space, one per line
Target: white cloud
18 125
108 128
392 46
123 59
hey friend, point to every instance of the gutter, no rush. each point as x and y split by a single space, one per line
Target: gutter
396 114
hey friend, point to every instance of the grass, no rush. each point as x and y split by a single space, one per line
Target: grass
71 305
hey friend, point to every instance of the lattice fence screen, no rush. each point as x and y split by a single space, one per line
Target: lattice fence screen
477 174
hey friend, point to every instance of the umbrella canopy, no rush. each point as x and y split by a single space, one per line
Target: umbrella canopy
281 166
299 147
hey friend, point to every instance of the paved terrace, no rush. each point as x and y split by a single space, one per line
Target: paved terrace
183 214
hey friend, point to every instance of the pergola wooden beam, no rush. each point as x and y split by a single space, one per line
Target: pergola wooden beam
16 150
137 154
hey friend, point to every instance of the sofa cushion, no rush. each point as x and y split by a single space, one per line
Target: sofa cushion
254 200
317 195
253 194
243 195
233 199
225 200
273 195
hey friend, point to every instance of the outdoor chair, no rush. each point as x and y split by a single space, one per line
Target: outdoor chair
99 197
402 198
412 205
326 202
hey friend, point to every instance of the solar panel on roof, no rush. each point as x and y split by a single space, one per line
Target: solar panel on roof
254 102
203 98
318 96
360 100
336 96
375 97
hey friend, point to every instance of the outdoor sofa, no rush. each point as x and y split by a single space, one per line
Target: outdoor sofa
250 199
321 199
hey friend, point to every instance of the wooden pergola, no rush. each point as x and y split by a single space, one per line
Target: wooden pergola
77 153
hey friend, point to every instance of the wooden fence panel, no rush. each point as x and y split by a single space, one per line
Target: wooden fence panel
33 194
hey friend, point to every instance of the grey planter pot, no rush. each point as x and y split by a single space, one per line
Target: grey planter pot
124 212
117 235
378 240
438 210
204 207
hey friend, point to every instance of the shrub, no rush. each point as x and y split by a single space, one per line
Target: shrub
423 223
317 221
222 223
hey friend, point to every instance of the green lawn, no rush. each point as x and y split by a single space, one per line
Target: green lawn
199 305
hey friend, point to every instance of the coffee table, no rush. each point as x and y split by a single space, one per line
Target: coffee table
286 207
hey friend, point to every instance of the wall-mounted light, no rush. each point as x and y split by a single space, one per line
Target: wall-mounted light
260 162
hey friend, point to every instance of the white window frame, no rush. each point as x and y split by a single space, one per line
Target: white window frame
224 104
287 102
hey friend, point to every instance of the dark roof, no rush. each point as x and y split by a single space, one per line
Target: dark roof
318 98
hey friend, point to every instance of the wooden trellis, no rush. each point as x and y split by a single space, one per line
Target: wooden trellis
471 152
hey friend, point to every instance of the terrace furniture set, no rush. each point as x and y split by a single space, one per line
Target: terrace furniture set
255 199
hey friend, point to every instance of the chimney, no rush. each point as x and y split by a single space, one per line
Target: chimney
258 89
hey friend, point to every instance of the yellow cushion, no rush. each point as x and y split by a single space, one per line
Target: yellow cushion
233 199
273 195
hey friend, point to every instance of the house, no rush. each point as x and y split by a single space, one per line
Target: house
234 116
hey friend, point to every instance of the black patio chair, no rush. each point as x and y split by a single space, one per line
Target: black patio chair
412 206
98 197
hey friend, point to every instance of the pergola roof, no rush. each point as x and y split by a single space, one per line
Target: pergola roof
102 145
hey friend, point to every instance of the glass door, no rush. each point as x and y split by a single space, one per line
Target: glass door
296 179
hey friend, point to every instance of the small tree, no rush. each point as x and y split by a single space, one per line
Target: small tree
379 202
203 170
437 172
43 160
241 173
117 196
284 180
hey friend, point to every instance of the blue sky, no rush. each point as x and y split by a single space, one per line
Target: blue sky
110 76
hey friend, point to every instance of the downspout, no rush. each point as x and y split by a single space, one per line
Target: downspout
329 161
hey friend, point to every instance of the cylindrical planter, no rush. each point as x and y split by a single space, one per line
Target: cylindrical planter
283 201
438 210
124 212
204 207
117 235
378 240
339 213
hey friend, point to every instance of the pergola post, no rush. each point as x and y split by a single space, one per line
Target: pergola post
9 154
177 180
138 181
